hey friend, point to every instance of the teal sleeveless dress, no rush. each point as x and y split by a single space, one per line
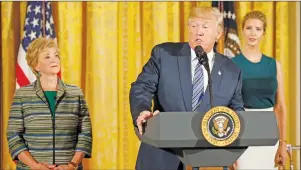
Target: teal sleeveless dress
259 85
259 89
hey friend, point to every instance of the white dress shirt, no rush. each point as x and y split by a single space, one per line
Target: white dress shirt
194 62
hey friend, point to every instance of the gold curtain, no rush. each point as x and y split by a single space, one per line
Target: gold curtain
103 48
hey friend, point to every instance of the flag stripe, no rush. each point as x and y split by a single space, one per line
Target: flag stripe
24 66
21 78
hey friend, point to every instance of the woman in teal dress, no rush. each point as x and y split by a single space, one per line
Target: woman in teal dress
262 90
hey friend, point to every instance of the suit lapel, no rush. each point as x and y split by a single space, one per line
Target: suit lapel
216 76
40 92
60 91
184 66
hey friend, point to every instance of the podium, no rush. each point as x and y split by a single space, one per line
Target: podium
182 133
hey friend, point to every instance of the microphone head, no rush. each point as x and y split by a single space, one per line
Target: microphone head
199 50
201 54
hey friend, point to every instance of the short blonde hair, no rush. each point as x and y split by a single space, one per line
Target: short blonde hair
255 15
198 12
35 48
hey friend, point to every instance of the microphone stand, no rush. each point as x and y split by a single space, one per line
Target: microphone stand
209 84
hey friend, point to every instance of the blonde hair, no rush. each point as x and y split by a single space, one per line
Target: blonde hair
35 48
198 12
255 15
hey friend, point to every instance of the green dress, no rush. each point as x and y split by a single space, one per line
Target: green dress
259 81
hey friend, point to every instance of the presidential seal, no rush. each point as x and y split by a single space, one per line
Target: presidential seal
220 126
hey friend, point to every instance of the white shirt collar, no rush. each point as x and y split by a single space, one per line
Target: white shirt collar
209 55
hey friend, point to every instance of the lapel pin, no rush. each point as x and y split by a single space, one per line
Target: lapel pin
219 73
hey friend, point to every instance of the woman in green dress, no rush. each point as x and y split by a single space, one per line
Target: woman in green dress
49 125
262 90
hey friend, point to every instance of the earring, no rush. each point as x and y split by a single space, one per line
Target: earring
38 75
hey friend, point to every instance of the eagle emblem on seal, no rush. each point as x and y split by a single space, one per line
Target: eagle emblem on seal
220 127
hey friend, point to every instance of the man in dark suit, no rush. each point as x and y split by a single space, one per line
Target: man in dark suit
177 82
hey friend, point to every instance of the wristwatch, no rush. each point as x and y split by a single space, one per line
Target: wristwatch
74 165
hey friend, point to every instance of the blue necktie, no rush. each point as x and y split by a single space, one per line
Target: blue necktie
198 87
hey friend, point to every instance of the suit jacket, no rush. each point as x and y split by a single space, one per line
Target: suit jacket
30 124
166 78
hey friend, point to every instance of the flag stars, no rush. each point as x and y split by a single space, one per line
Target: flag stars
225 14
37 9
32 35
29 8
48 27
35 22
229 15
26 21
51 20
233 16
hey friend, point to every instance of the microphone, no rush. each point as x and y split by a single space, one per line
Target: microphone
203 60
202 56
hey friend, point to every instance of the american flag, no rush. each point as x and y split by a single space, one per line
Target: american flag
38 22
231 39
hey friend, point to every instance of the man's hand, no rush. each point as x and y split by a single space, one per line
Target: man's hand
143 117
